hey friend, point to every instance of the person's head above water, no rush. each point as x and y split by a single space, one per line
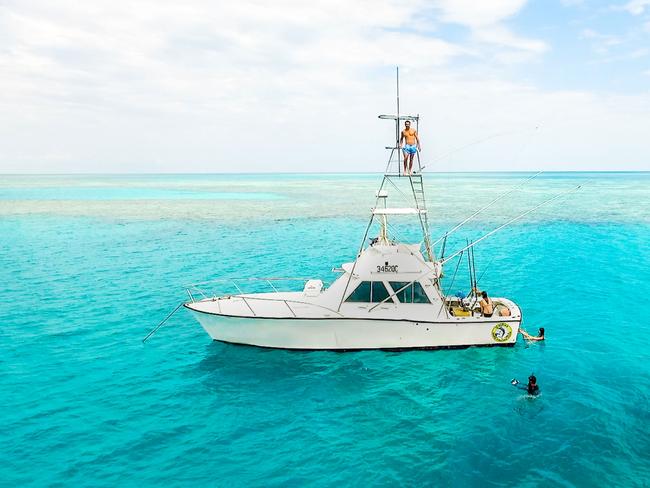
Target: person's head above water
541 331
532 387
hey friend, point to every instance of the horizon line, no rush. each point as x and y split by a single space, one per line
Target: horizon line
172 173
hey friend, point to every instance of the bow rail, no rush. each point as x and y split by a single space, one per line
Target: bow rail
206 289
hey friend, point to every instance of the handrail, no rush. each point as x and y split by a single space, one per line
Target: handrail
290 309
225 280
286 301
249 307
238 284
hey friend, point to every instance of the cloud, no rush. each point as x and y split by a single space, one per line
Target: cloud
486 20
605 39
601 43
245 86
477 14
501 36
636 7
628 55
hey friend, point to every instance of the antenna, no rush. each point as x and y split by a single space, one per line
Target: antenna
397 71
397 122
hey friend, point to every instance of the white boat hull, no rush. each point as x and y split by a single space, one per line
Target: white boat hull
354 334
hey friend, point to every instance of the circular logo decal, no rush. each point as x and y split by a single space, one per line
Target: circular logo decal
501 332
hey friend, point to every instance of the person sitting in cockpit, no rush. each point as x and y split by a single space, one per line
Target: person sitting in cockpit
487 307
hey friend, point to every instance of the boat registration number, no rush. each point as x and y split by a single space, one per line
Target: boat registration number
387 268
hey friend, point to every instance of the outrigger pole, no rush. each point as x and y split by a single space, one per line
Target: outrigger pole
448 233
469 246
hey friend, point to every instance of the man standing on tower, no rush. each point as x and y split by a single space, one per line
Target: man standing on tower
410 148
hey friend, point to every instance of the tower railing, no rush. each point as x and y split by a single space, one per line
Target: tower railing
395 169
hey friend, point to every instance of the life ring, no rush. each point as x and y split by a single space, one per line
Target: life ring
501 332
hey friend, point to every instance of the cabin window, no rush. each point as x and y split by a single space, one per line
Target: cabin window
413 293
369 291
361 293
419 296
406 295
379 291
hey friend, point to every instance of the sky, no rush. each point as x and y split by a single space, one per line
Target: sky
296 86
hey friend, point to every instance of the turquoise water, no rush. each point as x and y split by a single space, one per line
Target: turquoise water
90 264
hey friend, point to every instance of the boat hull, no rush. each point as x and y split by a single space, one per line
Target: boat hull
346 334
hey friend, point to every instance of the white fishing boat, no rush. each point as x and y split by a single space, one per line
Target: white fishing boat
389 297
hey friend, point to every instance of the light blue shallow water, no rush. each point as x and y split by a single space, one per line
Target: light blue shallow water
87 273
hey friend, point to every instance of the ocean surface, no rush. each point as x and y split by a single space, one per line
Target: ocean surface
90 264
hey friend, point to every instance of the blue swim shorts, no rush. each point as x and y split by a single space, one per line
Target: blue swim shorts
410 149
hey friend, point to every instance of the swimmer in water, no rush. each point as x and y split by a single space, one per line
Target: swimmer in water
528 337
532 387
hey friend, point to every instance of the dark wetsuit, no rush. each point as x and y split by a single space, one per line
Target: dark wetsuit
530 388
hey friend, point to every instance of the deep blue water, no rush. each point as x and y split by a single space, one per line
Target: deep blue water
85 403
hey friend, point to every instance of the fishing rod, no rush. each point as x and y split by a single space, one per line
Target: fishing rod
485 270
546 202
473 268
469 265
474 290
444 245
486 207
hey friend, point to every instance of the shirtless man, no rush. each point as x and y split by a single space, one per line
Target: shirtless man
487 308
410 148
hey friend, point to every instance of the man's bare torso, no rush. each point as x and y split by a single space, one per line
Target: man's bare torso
409 135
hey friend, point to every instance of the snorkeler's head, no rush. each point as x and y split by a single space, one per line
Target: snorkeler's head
532 379
541 331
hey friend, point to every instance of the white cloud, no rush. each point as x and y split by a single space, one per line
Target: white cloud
628 55
487 21
605 39
296 86
601 43
636 7
504 37
476 14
